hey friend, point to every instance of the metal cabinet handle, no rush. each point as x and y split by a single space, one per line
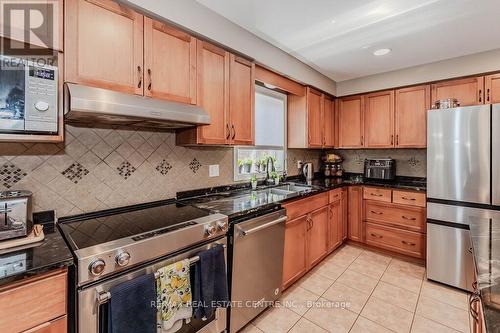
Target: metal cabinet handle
375 212
488 94
234 132
263 226
376 195
397 139
150 79
228 132
470 251
392 139
409 218
480 97
409 199
408 243
139 74
375 235
362 139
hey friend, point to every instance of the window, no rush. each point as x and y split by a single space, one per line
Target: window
270 137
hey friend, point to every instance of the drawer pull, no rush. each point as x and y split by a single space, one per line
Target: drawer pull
378 213
376 195
408 243
376 236
409 218
409 199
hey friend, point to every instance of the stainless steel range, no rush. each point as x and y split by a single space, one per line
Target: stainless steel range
117 245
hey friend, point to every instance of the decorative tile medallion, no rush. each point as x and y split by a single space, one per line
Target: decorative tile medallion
164 167
125 169
10 174
75 172
413 162
194 165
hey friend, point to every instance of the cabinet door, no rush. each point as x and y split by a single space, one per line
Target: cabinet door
335 225
295 253
345 211
379 120
492 87
468 91
110 57
213 92
169 62
241 100
317 241
58 325
328 122
314 118
354 198
350 114
411 116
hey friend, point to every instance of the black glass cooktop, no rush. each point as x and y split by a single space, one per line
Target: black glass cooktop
96 228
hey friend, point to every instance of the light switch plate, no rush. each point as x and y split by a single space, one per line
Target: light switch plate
213 170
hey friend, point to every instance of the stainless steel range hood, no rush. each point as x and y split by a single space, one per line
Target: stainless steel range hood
83 104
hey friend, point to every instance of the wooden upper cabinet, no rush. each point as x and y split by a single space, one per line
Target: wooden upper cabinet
350 118
328 122
492 88
169 63
314 118
317 244
104 45
241 100
469 91
379 120
213 93
411 116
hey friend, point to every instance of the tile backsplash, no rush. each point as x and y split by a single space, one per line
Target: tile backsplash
409 162
99 168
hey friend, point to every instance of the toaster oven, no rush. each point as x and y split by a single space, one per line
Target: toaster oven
28 96
384 169
15 214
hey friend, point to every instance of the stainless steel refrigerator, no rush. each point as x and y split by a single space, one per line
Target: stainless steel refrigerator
463 183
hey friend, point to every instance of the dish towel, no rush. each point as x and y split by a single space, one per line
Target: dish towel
174 296
210 283
132 306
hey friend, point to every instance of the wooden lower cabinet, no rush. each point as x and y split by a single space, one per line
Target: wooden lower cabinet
394 239
317 242
41 300
354 213
335 225
295 253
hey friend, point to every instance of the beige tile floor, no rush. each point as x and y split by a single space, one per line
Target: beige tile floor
362 291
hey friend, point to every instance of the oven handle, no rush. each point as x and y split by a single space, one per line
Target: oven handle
263 226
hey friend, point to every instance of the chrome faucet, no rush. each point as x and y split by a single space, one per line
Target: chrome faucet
268 180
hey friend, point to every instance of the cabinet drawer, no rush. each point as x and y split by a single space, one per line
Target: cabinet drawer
58 325
378 194
335 195
39 299
411 218
402 241
301 207
408 198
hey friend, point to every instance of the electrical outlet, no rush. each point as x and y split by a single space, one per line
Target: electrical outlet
300 164
213 170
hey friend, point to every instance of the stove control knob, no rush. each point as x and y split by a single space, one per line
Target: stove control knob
96 267
223 226
122 259
210 230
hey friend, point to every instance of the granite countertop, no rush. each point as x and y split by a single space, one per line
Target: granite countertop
26 261
485 236
239 200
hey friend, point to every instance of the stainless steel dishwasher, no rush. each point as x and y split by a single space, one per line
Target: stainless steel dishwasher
257 266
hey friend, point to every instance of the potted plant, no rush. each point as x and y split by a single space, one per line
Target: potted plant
257 165
263 164
240 166
253 181
247 165
274 175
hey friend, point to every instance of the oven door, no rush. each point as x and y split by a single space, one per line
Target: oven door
93 314
12 94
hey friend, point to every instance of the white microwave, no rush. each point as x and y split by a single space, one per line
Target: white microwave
28 96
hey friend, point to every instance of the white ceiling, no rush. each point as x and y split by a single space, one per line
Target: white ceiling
338 37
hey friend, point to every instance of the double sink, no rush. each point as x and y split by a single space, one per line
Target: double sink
288 189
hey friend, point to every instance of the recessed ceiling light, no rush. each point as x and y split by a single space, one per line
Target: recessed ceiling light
381 52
